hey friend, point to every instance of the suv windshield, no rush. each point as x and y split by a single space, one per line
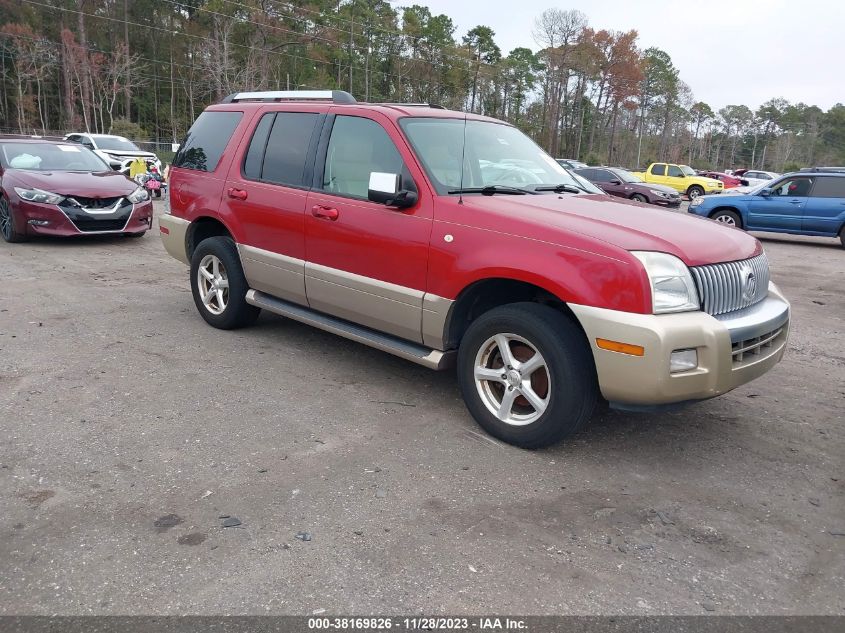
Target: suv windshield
115 143
688 171
495 155
50 157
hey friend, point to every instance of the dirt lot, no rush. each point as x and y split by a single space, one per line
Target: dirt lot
130 428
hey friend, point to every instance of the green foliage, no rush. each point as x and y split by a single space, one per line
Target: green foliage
593 159
124 127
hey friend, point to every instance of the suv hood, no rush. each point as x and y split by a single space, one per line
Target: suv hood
626 225
104 184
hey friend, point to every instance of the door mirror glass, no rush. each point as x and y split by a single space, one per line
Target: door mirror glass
386 188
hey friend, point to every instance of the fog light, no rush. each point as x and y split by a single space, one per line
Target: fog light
39 222
683 360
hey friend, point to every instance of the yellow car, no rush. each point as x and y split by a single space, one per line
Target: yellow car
681 178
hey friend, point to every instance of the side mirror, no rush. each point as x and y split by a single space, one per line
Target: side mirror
615 182
766 192
386 189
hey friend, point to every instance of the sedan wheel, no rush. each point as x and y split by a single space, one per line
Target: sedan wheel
639 198
7 223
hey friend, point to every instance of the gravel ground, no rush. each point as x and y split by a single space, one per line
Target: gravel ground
131 430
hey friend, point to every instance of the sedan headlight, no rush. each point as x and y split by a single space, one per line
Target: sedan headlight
139 195
38 195
656 192
672 286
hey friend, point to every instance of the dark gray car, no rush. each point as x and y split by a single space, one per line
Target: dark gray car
623 184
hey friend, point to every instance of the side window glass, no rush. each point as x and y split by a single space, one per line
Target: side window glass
675 171
358 147
602 176
659 170
793 187
287 148
255 154
207 140
829 187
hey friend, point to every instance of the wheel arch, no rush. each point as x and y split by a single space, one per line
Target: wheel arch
486 294
202 228
727 207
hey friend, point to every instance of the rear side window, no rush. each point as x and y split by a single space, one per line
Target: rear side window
829 187
255 153
206 141
287 148
659 170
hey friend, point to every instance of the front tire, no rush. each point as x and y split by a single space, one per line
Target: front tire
219 285
727 217
842 236
639 198
694 191
8 227
527 375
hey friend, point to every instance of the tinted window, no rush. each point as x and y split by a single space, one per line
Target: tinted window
829 187
255 153
659 170
589 174
287 148
358 147
206 141
675 171
602 175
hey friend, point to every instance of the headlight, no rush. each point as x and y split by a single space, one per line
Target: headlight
662 194
37 195
139 195
696 201
672 287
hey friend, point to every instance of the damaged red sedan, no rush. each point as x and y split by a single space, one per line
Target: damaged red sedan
64 189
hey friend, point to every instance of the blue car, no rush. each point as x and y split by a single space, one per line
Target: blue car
809 202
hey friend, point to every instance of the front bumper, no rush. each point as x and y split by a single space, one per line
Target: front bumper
732 349
51 219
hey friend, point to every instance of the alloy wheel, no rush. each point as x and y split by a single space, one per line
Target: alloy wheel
512 379
213 284
5 219
726 219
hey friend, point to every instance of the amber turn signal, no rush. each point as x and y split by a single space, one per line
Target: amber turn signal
622 348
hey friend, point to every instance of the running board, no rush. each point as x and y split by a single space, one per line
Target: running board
425 356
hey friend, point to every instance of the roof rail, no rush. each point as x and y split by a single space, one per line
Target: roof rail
436 106
832 170
336 96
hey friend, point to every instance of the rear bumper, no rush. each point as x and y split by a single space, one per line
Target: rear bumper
732 350
174 233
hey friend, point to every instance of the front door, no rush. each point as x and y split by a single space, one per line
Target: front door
366 262
825 208
783 209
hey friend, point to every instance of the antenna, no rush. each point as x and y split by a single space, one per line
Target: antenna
463 156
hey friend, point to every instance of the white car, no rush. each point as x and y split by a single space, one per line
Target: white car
755 177
117 151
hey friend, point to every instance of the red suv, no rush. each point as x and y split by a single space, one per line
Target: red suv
445 238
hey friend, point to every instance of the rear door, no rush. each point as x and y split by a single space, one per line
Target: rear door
658 174
265 195
825 208
366 262
784 208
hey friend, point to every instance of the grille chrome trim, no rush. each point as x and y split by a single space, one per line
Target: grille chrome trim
724 287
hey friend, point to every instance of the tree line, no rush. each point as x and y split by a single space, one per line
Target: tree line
146 69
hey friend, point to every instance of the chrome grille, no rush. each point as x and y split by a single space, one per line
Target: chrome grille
730 286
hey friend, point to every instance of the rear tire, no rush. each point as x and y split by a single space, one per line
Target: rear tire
8 226
728 217
550 391
219 285
694 191
639 198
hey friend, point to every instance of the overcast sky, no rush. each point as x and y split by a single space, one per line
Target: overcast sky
728 52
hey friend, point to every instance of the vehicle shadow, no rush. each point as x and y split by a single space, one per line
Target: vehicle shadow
806 241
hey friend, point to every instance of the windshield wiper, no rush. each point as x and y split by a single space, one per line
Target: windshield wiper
561 188
490 190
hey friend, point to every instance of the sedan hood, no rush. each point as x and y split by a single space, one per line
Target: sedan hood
105 184
128 154
626 225
649 185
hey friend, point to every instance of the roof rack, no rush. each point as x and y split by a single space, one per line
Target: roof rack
336 96
832 170
436 106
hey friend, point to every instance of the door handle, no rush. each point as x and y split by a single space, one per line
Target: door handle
326 213
237 194
796 202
